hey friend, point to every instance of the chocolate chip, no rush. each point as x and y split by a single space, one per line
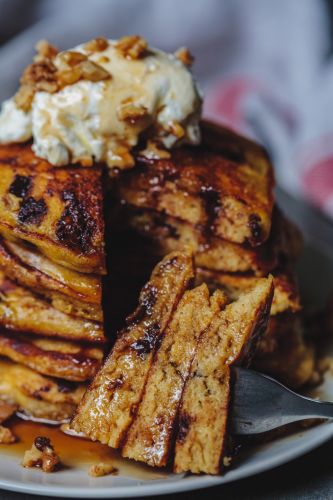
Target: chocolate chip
75 227
20 186
32 211
42 442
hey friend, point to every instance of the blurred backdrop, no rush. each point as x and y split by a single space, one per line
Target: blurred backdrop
265 66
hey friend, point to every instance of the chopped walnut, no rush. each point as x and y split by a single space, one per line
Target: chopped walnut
154 151
6 410
75 66
131 113
176 129
185 56
132 47
6 436
227 461
44 75
102 469
45 50
41 455
96 45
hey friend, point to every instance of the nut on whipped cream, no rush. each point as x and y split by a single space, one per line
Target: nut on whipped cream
98 101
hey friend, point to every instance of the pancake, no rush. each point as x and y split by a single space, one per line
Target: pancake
284 353
109 405
204 412
228 195
165 234
150 437
57 209
75 293
286 294
36 395
56 358
23 311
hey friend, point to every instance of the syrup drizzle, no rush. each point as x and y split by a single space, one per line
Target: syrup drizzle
75 452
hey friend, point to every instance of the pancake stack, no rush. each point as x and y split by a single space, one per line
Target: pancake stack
218 199
51 265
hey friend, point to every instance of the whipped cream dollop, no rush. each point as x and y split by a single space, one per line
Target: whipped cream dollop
97 101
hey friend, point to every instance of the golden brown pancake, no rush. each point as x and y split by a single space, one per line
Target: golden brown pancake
75 293
228 192
53 357
57 209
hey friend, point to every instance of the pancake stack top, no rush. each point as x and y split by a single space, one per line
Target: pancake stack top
51 261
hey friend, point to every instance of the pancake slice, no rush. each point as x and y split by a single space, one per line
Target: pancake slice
204 411
59 210
109 405
22 311
150 437
55 358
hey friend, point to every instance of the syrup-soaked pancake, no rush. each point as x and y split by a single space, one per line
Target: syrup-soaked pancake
230 339
57 209
53 357
225 187
109 405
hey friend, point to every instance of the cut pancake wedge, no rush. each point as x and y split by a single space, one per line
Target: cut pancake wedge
109 406
150 437
55 358
204 411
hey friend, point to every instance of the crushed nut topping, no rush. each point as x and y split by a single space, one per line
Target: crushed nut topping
176 129
154 151
44 75
102 469
227 461
45 50
96 44
41 455
132 47
185 56
132 113
6 436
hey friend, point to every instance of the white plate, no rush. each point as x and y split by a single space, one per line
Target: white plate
316 273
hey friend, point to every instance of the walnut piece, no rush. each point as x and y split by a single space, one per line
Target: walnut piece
154 151
132 47
96 44
6 436
41 455
102 469
45 50
132 113
185 56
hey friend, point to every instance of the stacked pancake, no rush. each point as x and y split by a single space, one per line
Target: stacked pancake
218 199
51 261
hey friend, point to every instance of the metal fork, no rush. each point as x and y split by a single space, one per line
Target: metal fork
261 404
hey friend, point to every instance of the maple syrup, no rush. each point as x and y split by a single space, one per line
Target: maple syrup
74 452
